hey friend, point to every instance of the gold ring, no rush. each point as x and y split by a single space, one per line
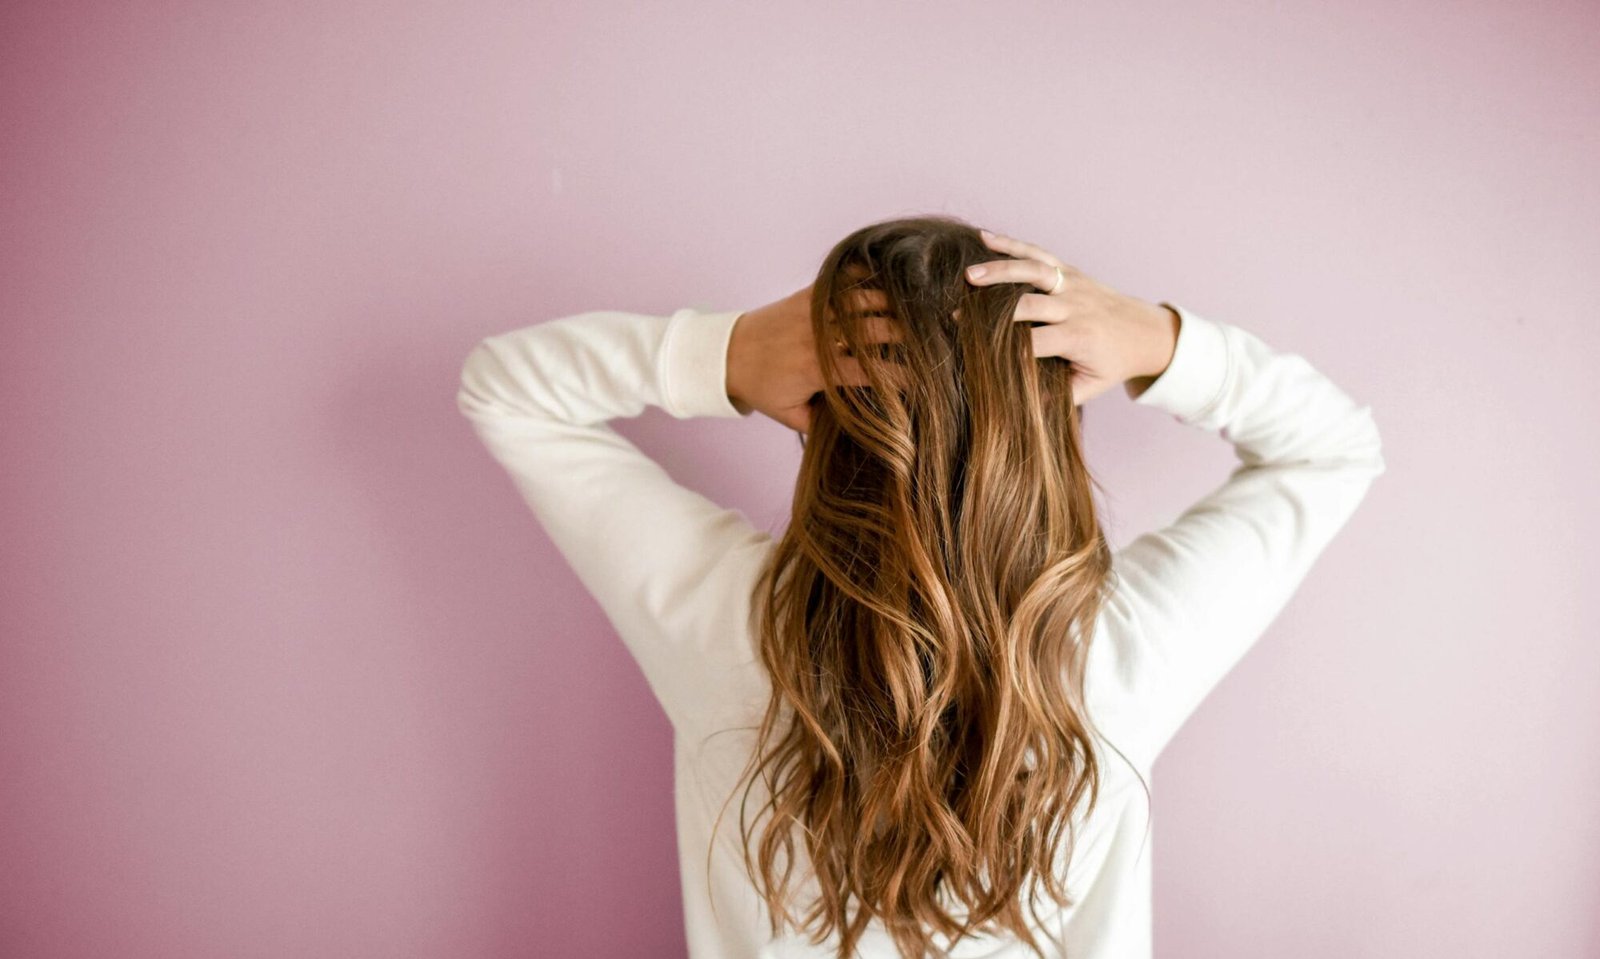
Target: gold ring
1060 279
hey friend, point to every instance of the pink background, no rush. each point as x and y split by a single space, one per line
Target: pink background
288 670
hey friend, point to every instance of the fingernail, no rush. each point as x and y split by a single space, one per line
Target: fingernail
986 234
976 272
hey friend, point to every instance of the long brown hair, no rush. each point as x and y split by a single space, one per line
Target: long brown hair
925 617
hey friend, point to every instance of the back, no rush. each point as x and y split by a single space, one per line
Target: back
674 571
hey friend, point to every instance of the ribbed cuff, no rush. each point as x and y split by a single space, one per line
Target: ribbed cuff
1193 382
694 364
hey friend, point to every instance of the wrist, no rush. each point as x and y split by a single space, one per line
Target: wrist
1160 340
735 372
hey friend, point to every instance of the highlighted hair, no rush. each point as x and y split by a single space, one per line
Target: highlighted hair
925 617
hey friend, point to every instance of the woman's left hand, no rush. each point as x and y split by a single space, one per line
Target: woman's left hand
774 363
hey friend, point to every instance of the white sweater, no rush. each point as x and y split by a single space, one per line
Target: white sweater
673 572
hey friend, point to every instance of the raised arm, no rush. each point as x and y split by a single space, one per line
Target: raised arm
1189 599
671 569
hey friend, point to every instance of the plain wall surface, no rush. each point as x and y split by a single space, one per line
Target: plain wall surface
287 669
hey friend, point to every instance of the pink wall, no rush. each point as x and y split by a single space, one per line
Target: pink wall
289 671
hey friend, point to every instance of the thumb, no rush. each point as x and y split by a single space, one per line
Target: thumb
795 417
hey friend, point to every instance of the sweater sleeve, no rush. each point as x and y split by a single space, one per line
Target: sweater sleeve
671 570
1190 598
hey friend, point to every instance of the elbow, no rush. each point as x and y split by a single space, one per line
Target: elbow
501 379
1352 445
476 391
1374 443
1365 449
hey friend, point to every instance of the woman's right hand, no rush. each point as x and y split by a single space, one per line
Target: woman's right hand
773 363
1109 337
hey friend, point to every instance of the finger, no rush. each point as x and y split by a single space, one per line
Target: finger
851 372
797 418
867 300
870 331
1056 339
880 329
1040 308
1039 274
1015 247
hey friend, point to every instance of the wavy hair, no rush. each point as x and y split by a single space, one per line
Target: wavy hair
926 615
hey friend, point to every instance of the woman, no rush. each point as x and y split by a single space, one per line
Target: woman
935 698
